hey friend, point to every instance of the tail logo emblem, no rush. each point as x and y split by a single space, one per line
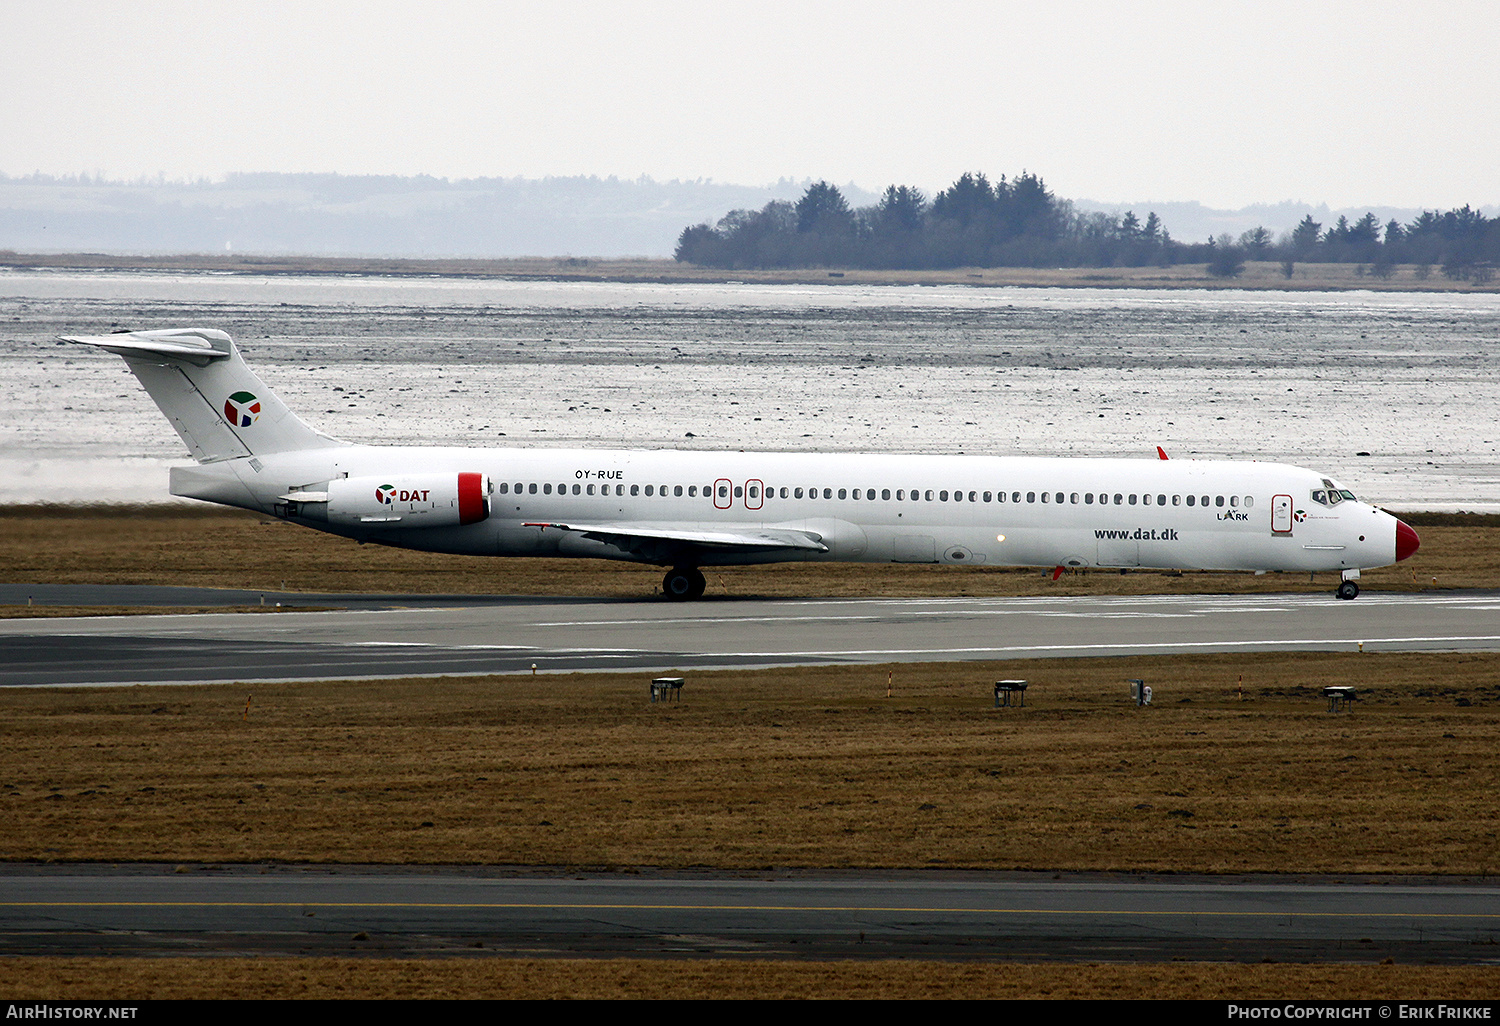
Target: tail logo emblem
384 494
242 409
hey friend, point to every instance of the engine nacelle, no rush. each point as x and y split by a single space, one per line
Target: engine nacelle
412 500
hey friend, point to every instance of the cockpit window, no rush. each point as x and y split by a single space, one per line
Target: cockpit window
1332 496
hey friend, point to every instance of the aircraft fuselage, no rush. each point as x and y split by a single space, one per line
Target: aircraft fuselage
1007 511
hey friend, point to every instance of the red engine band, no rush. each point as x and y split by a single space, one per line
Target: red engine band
472 504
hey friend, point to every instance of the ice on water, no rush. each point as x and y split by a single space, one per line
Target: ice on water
1306 378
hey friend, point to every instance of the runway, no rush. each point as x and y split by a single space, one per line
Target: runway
964 915
489 634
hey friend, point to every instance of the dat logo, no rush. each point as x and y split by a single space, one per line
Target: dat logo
242 409
386 494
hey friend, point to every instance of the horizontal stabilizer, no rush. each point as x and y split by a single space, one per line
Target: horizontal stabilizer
197 344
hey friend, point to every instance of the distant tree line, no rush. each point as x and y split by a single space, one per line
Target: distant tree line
1463 242
972 223
1019 223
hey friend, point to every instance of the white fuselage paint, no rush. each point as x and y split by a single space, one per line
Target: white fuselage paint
1234 531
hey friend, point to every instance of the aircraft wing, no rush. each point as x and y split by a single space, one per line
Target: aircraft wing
630 537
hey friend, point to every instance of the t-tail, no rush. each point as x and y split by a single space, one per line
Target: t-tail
219 407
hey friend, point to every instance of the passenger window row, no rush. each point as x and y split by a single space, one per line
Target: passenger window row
901 494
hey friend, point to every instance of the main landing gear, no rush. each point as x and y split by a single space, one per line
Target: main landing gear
683 583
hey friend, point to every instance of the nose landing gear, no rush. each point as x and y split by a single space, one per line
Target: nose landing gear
1347 590
683 584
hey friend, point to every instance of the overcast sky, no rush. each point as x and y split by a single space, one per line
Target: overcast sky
1353 104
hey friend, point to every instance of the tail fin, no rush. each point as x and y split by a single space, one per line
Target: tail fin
213 399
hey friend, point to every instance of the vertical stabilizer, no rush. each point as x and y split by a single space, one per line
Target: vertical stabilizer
213 399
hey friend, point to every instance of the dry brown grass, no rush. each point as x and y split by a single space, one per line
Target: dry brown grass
126 979
810 767
1258 274
210 547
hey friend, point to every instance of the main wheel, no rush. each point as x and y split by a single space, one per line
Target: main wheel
1347 590
682 584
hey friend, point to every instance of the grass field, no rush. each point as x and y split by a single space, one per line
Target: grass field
1258 274
487 978
1236 768
217 548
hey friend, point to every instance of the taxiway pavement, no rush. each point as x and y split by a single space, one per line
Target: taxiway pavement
513 635
969 915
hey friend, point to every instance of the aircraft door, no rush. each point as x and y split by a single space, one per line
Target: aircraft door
1281 514
754 494
723 493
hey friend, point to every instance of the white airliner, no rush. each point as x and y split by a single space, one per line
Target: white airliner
684 510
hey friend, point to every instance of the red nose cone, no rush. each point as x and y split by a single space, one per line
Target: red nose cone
1406 541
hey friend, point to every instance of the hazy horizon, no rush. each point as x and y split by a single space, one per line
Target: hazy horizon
323 214
1374 102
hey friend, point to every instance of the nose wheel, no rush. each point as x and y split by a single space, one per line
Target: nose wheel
683 584
1348 590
